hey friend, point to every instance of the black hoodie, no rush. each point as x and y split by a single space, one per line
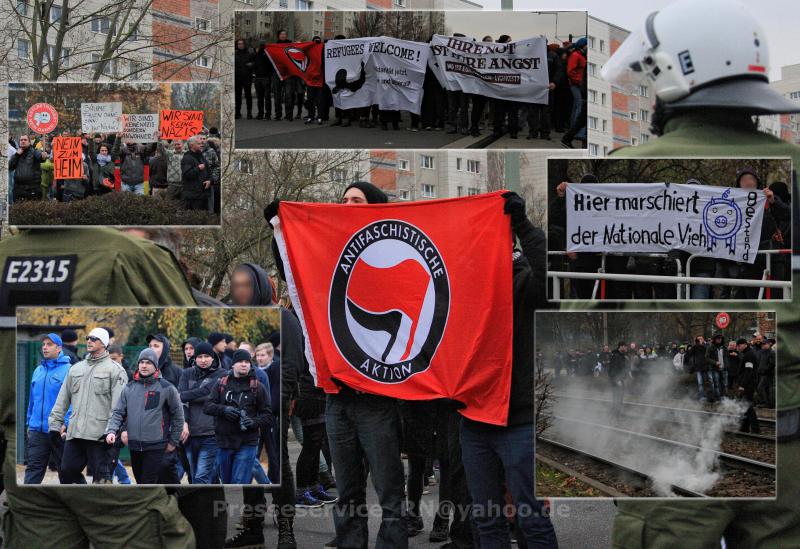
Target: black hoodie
194 342
195 388
256 405
262 289
169 371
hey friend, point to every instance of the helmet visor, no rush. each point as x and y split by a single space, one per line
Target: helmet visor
626 68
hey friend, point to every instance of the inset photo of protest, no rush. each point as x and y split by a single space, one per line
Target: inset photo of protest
669 229
133 395
681 404
132 154
410 79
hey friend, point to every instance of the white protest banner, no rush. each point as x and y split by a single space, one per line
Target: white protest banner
384 71
140 128
516 71
101 117
711 221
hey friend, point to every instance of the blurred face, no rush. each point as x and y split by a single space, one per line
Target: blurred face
204 361
157 347
188 350
220 346
263 357
623 348
283 35
741 347
247 347
605 348
94 345
49 349
232 346
354 196
748 182
241 368
24 142
177 146
701 340
116 357
146 367
241 288
240 44
195 146
104 150
731 345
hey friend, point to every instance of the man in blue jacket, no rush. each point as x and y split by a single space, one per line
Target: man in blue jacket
45 384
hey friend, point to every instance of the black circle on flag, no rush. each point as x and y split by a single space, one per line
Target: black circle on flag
389 301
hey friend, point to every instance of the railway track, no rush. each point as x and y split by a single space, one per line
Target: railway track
605 462
764 423
729 461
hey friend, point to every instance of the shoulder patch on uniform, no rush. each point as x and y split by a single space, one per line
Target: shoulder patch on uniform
37 280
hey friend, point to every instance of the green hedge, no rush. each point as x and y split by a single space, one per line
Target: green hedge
119 208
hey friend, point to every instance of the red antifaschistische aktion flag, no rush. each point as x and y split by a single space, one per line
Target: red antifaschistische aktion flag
407 300
301 59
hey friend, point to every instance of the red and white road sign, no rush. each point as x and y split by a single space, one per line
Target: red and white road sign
42 118
722 320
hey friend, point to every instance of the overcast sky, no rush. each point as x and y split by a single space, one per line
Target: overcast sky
553 25
778 17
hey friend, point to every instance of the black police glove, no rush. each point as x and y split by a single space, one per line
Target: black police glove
271 210
514 206
231 413
248 423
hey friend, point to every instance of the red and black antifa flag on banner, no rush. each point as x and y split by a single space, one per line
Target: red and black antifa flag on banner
407 300
302 59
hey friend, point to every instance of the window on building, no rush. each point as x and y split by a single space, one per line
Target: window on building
402 165
135 71
55 13
305 5
133 32
458 164
591 69
203 61
284 3
643 91
634 115
108 67
23 48
244 165
593 149
459 191
794 95
472 191
634 141
592 96
474 166
428 191
605 125
64 61
590 40
400 3
644 138
644 115
426 161
602 46
245 1
405 194
22 7
201 24
101 25
605 151
602 99
592 122
339 175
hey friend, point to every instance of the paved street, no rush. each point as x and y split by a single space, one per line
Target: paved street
281 134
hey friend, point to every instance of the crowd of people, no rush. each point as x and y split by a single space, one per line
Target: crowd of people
739 368
184 171
206 419
776 234
456 111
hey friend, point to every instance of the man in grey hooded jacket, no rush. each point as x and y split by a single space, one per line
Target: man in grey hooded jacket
152 409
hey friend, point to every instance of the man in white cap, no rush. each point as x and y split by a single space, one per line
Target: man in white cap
92 387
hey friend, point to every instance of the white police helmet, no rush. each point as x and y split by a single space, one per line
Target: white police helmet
700 54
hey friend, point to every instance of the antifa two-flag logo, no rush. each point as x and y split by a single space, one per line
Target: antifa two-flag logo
298 57
389 301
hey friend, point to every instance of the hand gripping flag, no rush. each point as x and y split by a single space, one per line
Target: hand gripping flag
406 300
302 59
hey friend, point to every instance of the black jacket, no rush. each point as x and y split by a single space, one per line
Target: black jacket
262 65
291 355
192 177
529 283
27 167
195 388
618 365
697 359
72 352
239 393
766 363
733 363
243 64
748 375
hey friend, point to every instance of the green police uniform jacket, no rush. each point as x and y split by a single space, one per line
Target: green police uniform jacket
701 524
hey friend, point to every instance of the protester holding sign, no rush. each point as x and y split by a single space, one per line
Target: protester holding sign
131 157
